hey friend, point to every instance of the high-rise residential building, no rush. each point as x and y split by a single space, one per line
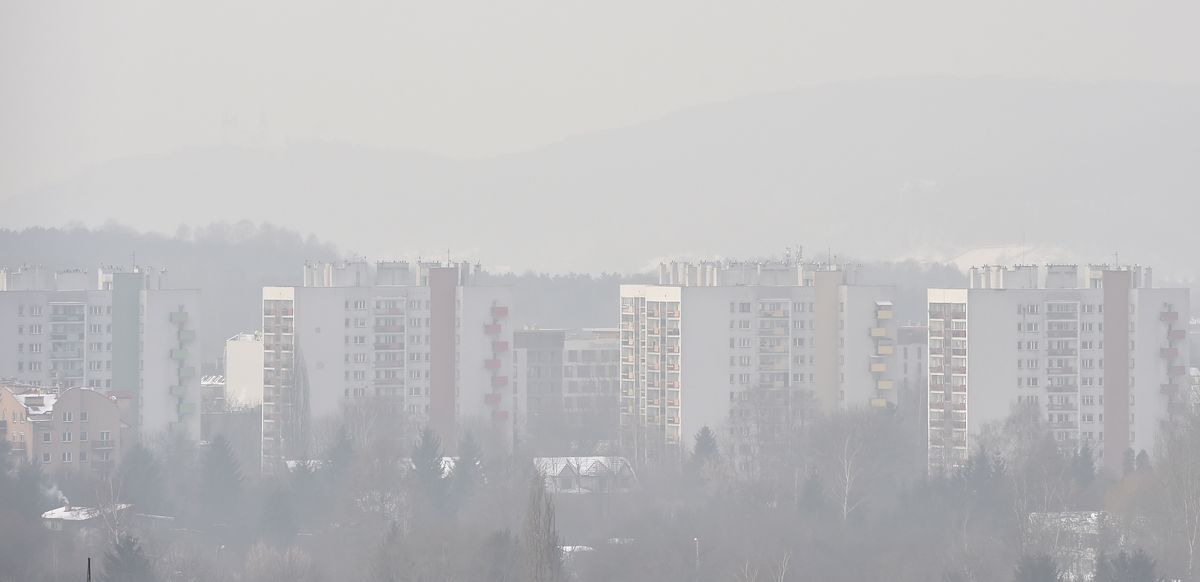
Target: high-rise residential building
591 387
538 382
244 371
749 349
426 341
568 384
1101 353
114 330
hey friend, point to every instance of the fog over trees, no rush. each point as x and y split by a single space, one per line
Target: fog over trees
545 291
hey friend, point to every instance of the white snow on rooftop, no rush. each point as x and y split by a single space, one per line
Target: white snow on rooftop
37 404
74 513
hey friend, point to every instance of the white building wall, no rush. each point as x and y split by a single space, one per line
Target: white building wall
244 370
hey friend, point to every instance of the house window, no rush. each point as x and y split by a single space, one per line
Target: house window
66 457
45 437
45 457
83 416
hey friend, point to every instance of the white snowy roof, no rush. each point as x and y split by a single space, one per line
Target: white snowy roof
37 404
583 466
74 513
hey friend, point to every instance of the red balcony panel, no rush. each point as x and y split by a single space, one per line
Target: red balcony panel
499 311
492 364
500 415
499 347
491 329
491 399
1176 370
1169 388
499 381
1177 334
1169 352
1168 316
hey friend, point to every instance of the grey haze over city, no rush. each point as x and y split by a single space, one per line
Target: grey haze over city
554 291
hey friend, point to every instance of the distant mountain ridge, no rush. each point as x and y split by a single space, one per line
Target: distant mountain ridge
875 169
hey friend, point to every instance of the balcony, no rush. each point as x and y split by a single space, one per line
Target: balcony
386 311
672 331
187 372
179 317
878 332
499 311
772 331
884 385
500 415
879 403
394 381
1169 353
1061 406
492 329
884 314
878 367
391 328
186 409
103 445
1177 334
179 391
499 381
1062 333
492 399
1176 371
1063 425
1168 388
1169 316
1062 352
491 364
1062 371
772 313
179 354
499 347
1064 389
885 349
389 346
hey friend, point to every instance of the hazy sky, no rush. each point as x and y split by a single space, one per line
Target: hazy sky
87 82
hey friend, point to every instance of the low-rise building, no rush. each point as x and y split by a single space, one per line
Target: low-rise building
79 429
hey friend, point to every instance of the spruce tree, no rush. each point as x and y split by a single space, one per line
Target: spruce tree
427 468
220 480
468 470
1037 568
126 562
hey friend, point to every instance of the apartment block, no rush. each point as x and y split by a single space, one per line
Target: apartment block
568 383
120 331
79 429
750 349
1100 351
425 341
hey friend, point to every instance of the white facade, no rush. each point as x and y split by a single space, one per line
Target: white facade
425 340
1100 353
77 329
244 370
748 360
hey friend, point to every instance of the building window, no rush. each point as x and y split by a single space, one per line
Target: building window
66 457
46 437
104 436
82 435
66 437
82 456
45 457
68 416
83 416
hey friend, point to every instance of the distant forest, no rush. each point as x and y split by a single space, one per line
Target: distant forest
230 263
